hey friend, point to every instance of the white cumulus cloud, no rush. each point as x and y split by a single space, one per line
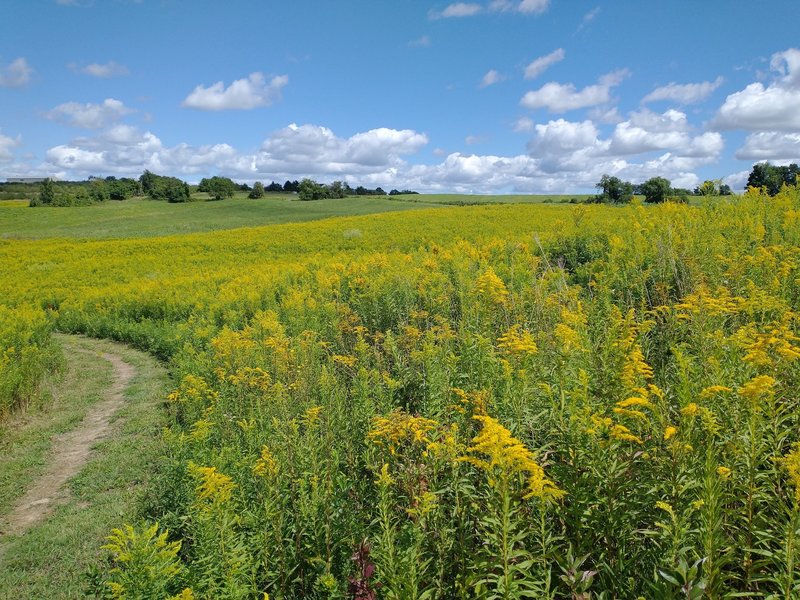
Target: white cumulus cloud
6 145
491 78
541 64
774 146
243 94
89 116
103 71
457 9
683 93
16 74
306 149
560 98
774 107
525 7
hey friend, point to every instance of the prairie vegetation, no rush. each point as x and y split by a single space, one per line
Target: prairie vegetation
468 402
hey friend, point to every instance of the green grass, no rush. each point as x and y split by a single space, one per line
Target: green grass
52 559
148 218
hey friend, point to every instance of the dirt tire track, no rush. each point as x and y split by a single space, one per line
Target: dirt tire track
69 453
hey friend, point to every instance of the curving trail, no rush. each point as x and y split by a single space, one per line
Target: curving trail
69 454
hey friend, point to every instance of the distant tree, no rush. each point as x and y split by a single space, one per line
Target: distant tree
257 191
337 190
218 187
275 187
159 187
311 190
98 190
47 193
707 188
379 192
123 188
725 190
147 181
656 189
243 187
291 186
613 189
771 177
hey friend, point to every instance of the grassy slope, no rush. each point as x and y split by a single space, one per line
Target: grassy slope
148 218
56 554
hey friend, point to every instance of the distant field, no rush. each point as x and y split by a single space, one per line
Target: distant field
467 199
148 218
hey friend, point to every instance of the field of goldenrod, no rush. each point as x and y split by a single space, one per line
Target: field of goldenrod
485 402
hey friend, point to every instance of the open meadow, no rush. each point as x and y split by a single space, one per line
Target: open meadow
502 401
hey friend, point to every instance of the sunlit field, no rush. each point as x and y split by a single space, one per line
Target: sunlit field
505 401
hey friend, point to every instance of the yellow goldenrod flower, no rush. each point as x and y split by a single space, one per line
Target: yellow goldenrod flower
622 433
669 432
398 428
384 479
635 401
791 463
517 342
667 508
214 486
491 287
266 465
724 473
713 390
505 456
757 387
690 410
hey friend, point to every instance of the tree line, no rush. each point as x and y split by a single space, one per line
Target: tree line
611 189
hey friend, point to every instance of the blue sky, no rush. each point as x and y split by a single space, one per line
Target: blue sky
483 97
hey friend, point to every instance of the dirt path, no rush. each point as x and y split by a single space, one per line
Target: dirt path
70 452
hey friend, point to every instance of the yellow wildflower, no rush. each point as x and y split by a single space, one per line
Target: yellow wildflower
384 479
757 387
713 390
505 456
724 473
344 360
266 465
669 432
690 410
667 508
214 486
398 428
491 287
517 342
635 401
622 433
792 464
311 416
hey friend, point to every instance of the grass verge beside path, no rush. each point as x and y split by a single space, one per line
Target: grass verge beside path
52 558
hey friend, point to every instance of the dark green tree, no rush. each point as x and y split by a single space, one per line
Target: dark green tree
656 189
772 177
614 189
219 187
47 192
257 191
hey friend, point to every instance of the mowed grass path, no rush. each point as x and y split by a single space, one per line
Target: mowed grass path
52 558
150 218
